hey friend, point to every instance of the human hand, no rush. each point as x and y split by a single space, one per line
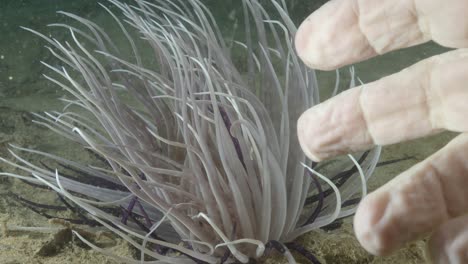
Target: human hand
426 98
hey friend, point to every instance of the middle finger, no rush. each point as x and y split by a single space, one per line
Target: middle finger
421 100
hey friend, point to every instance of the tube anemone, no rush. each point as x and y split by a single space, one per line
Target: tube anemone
204 152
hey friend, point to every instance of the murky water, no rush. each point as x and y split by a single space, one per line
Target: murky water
23 89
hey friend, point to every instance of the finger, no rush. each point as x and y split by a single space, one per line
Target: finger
342 32
418 101
449 244
415 202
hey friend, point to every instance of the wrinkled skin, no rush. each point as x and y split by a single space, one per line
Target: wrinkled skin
431 198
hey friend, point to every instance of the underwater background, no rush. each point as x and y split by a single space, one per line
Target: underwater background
23 89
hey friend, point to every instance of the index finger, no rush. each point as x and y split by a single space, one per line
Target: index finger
342 32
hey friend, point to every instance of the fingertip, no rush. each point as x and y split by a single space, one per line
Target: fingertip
334 127
303 135
409 206
304 36
331 38
370 225
301 39
309 41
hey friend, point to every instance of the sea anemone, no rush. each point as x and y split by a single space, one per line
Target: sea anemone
200 147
